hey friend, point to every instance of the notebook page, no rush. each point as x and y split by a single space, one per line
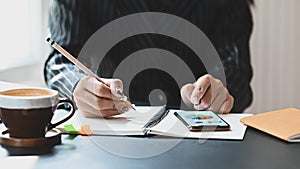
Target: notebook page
129 123
172 126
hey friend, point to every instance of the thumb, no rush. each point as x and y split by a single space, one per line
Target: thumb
186 92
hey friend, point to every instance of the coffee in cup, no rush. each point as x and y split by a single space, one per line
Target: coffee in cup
27 112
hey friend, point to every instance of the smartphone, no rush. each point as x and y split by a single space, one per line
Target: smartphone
202 120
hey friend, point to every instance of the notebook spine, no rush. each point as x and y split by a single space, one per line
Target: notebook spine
157 118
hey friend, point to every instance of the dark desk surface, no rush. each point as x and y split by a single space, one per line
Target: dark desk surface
257 151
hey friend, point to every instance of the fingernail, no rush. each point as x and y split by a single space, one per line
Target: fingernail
119 90
125 108
200 89
124 98
195 100
205 105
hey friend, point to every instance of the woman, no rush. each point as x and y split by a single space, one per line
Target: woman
227 24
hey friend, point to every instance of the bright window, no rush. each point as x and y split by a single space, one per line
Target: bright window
19 30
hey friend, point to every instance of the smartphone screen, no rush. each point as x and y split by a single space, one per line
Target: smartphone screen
202 120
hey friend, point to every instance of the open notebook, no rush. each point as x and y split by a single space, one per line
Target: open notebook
153 120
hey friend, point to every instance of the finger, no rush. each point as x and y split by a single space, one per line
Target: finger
95 87
90 112
100 103
218 101
116 86
205 101
215 91
186 92
83 95
87 110
121 106
202 84
94 101
227 105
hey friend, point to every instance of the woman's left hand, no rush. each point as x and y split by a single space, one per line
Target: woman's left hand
207 93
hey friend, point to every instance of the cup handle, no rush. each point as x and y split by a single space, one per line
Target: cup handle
61 105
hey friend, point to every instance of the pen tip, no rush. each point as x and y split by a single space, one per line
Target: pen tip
48 39
133 106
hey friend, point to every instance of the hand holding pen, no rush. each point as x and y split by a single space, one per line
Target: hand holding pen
96 96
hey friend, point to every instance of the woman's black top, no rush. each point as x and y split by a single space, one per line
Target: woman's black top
227 24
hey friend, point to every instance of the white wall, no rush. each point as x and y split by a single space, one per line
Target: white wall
32 74
275 48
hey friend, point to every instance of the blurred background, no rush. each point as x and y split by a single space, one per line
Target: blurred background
275 49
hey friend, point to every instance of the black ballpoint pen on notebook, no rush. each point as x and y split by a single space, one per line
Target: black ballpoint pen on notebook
83 67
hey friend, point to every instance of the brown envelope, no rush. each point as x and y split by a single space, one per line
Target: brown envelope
284 124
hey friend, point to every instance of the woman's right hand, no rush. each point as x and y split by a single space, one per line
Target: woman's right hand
95 99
